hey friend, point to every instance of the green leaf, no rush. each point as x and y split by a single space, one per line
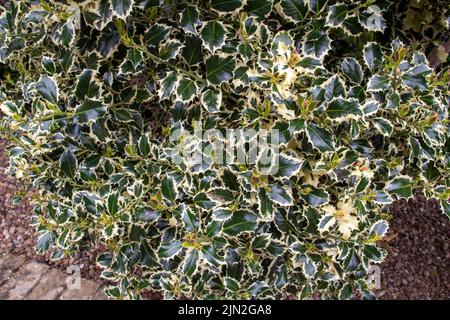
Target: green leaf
316 197
9 108
168 189
341 108
400 187
86 86
47 89
317 43
189 19
416 78
230 180
231 284
191 220
211 255
192 52
212 100
371 107
259 8
372 19
169 249
260 242
213 35
320 138
146 214
135 57
384 126
129 116
379 228
67 34
265 207
373 57
68 163
122 8
186 90
108 42
382 197
378 83
213 228
336 15
191 263
280 195
168 85
373 253
89 111
294 10
226 5
157 33
203 201
240 221
148 256
362 184
246 50
169 49
48 65
352 70
222 195
113 203
144 145
334 88
66 61
317 5
326 222
45 241
309 267
287 166
445 206
346 292
219 69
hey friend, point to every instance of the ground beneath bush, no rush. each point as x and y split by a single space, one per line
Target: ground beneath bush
418 263
417 267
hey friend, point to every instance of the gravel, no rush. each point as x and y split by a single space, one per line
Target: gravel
417 266
418 263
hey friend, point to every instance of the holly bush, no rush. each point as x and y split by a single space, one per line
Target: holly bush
360 120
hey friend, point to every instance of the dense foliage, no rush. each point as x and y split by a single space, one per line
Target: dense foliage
362 120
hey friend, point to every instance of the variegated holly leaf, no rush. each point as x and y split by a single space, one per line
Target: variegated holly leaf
294 10
317 43
372 55
239 222
48 89
190 19
122 8
168 85
87 86
89 111
400 187
280 195
340 108
211 100
415 78
320 138
219 69
352 70
259 8
186 90
227 6
213 35
336 14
